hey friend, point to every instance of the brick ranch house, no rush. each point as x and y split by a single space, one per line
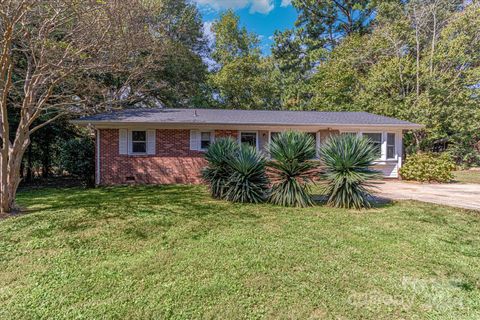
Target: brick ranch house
166 146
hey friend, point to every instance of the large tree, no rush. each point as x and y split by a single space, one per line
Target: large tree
242 77
293 65
59 57
180 68
421 63
326 22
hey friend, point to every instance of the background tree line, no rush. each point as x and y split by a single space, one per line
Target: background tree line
415 60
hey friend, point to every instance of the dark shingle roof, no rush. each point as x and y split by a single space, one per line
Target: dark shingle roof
242 117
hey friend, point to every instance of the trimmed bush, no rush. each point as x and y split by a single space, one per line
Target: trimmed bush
428 167
292 169
347 161
218 171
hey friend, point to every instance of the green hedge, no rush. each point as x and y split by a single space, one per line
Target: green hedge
428 167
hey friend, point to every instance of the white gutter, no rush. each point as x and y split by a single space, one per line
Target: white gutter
106 124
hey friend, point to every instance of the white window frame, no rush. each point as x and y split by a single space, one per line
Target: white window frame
212 139
395 150
383 145
256 137
130 142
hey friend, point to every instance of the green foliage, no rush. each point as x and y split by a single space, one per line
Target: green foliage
179 75
348 160
78 159
326 22
248 182
292 65
242 78
428 167
414 60
245 83
465 149
236 172
292 169
231 40
218 171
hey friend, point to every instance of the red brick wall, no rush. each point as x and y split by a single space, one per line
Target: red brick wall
173 162
226 133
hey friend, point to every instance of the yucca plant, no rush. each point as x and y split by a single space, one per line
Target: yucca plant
347 161
248 182
292 169
218 170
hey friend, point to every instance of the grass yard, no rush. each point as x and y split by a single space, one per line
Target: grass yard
467 176
172 252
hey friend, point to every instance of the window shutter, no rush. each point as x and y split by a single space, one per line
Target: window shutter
151 142
123 141
129 142
194 140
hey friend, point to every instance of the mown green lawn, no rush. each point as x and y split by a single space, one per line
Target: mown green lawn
172 252
467 176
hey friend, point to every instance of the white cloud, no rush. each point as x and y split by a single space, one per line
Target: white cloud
260 6
286 3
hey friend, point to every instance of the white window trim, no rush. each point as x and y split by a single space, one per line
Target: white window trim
383 145
212 138
395 151
130 143
256 137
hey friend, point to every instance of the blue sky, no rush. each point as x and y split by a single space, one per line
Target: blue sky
262 17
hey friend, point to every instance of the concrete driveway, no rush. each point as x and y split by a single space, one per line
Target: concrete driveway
456 195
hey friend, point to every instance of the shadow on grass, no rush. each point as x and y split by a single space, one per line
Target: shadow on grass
376 201
140 207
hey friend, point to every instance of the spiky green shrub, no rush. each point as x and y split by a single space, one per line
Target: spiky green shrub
218 170
292 169
248 182
428 167
347 161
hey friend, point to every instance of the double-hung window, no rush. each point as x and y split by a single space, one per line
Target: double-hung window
376 140
139 142
205 140
249 138
391 148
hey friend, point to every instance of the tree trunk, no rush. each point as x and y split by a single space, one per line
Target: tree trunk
5 203
11 161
